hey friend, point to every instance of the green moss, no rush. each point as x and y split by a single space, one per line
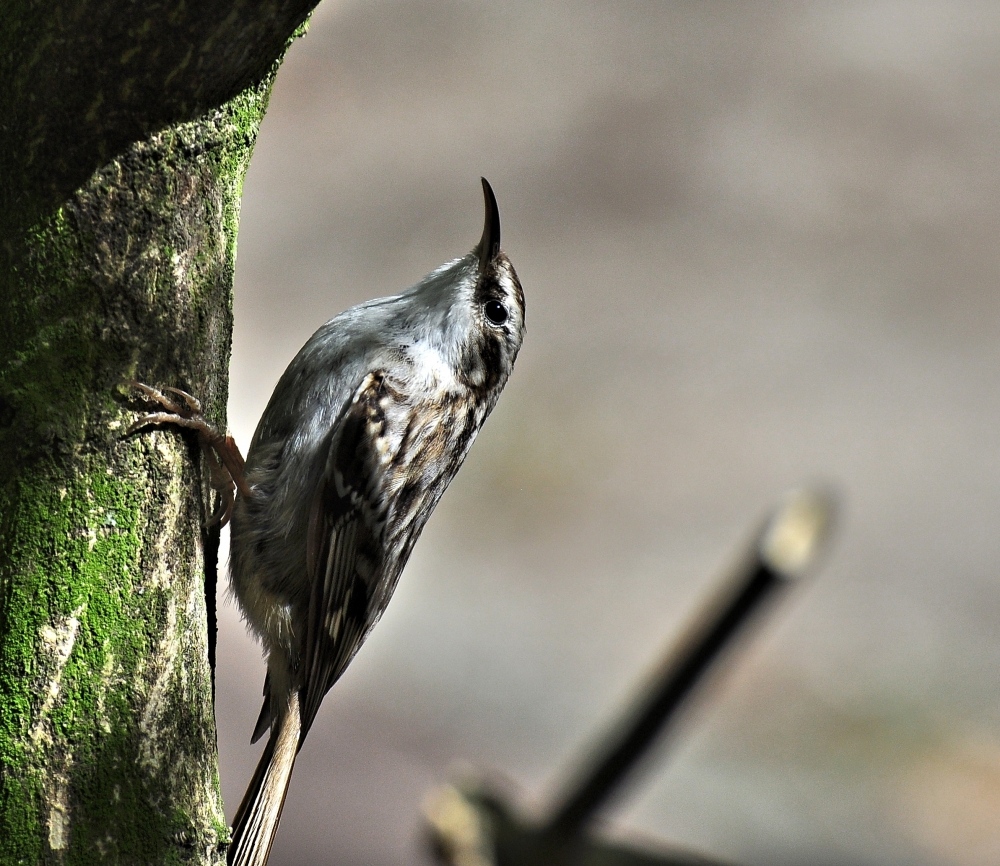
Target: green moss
93 533
99 536
105 692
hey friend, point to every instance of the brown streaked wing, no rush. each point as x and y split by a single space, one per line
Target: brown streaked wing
344 553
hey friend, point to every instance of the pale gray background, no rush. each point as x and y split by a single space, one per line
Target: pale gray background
759 246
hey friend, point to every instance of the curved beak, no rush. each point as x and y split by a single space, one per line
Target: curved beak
489 245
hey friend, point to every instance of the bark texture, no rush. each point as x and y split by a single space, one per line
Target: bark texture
84 79
124 140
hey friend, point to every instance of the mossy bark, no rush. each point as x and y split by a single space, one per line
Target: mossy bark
107 732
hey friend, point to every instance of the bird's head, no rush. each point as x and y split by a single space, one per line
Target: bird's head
471 311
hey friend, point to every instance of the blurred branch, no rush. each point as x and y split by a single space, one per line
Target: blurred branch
476 828
473 828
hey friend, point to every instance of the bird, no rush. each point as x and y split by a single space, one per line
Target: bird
363 433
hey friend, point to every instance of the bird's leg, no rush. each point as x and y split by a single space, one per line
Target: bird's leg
224 459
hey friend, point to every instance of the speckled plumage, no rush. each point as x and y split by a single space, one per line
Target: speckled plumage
364 432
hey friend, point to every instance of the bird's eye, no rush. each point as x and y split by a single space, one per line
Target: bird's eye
495 312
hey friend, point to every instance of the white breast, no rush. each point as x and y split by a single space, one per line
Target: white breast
431 371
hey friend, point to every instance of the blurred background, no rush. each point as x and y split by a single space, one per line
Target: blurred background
759 247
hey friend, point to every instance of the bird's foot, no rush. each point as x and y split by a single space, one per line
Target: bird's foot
224 459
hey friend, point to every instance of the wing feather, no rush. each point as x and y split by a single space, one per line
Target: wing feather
345 546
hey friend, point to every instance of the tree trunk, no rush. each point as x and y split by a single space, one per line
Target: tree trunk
111 270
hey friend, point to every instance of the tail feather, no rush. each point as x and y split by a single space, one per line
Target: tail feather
263 720
257 819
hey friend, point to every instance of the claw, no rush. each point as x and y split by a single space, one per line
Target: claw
193 403
156 396
145 421
224 459
223 509
198 424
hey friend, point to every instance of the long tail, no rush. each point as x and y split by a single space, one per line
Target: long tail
257 819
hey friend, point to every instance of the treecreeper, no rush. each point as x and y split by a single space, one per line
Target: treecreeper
364 432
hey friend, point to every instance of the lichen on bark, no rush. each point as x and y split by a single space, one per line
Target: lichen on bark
107 732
